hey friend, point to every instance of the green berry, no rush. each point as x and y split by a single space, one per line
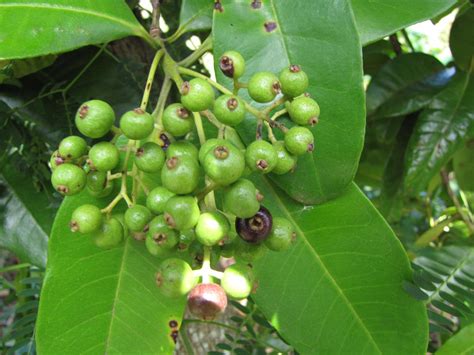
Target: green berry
263 87
304 111
111 234
55 160
232 64
237 281
207 146
229 110
227 245
97 182
242 199
150 157
211 228
175 277
180 175
197 95
281 236
182 148
182 212
177 120
68 179
261 156
157 198
86 219
136 124
137 217
104 156
249 252
286 161
224 163
94 118
299 140
163 237
293 80
72 147
185 239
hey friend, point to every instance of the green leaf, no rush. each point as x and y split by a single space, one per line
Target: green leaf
10 69
459 344
440 130
49 26
405 85
195 15
343 280
26 220
461 39
332 60
101 301
378 19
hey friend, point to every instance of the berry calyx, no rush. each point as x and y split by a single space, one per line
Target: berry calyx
224 163
256 228
263 87
242 199
68 179
175 277
261 156
137 217
207 146
286 161
182 212
160 237
232 64
111 234
94 118
304 111
237 281
86 219
293 80
197 95
229 110
104 156
180 175
206 301
211 228
299 140
55 160
177 120
150 157
157 198
136 124
72 147
282 235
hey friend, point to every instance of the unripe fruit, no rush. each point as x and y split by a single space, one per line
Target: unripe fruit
182 212
263 87
299 140
72 147
98 185
185 239
207 146
247 252
182 148
197 95
229 110
137 217
157 198
255 229
211 228
160 237
237 281
281 236
68 179
104 156
304 111
286 161
261 156
175 277
111 234
94 118
136 124
242 199
232 64
150 157
206 301
177 120
55 160
180 175
224 164
86 219
293 80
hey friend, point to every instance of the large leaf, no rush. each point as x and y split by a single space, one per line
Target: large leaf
405 84
461 39
26 220
339 289
377 19
325 44
52 26
441 129
460 344
196 15
101 301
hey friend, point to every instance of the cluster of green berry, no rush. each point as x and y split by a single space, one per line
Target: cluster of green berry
172 205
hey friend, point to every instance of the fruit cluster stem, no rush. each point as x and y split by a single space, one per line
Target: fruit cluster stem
151 76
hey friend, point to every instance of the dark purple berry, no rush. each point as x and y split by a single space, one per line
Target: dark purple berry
255 229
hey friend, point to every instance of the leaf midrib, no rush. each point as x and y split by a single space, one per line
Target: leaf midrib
320 262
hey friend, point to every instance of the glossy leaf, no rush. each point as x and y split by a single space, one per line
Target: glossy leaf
405 85
378 19
276 34
19 68
50 26
342 280
460 344
196 15
101 301
461 39
441 129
